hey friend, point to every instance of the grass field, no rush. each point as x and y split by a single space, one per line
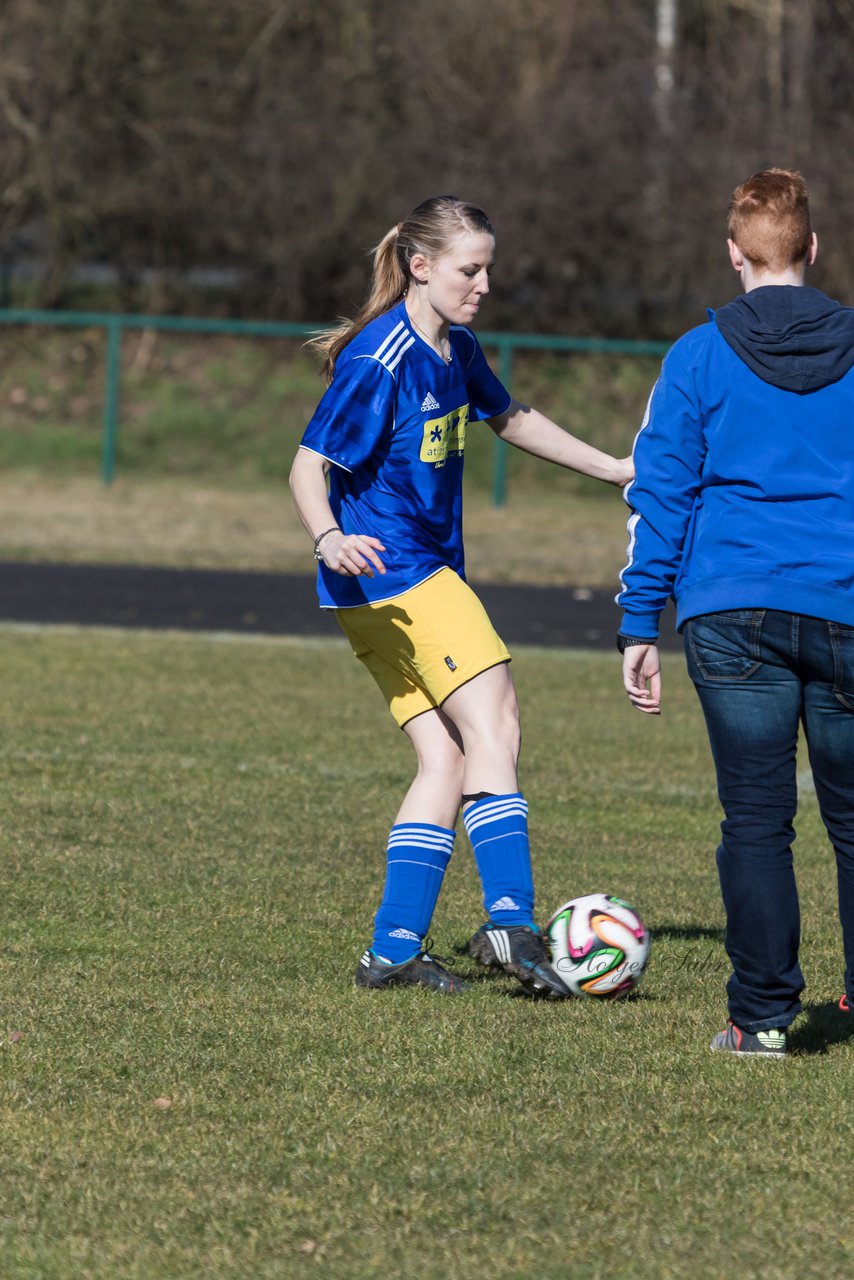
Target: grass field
191 1086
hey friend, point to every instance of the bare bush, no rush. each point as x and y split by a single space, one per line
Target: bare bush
282 137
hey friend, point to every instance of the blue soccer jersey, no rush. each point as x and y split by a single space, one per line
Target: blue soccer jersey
393 422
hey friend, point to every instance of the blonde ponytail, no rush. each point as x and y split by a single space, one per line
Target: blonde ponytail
388 286
429 230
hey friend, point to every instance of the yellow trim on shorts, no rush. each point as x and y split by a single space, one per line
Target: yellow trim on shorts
423 645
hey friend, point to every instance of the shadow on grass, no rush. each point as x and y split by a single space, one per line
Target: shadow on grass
687 932
476 974
628 998
821 1026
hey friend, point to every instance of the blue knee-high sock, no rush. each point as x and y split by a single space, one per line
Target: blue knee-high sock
417 856
497 827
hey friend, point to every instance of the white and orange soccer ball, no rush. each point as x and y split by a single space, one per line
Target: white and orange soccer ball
599 945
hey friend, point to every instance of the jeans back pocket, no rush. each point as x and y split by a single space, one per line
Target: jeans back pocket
725 646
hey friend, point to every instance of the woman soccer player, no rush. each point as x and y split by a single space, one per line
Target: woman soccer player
406 377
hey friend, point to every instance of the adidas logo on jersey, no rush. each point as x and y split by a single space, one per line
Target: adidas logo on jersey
429 402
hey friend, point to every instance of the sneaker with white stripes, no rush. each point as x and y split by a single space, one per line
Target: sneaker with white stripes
520 951
748 1044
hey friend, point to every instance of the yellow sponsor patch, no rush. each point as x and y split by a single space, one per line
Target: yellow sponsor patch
445 437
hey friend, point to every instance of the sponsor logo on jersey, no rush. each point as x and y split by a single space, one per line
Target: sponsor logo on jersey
429 403
445 437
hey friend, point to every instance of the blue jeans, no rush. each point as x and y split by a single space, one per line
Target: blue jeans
760 674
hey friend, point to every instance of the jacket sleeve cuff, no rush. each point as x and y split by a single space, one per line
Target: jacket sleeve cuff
641 625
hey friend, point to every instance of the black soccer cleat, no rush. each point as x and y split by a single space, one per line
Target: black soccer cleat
421 971
522 952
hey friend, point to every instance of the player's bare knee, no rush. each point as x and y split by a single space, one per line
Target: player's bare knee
445 763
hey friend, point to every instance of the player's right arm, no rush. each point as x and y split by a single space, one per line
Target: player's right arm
349 554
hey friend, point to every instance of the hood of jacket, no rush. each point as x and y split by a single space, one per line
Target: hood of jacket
791 336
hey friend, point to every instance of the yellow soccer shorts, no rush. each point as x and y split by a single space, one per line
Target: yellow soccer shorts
424 644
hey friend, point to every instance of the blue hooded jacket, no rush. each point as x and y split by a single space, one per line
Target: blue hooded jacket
744 488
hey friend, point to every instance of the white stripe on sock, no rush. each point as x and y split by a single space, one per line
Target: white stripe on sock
495 813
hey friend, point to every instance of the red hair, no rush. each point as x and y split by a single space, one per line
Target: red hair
769 219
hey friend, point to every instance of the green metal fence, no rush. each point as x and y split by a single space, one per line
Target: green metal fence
114 325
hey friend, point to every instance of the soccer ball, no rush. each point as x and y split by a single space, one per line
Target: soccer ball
599 945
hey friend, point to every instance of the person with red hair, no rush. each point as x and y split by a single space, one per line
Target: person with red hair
743 513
